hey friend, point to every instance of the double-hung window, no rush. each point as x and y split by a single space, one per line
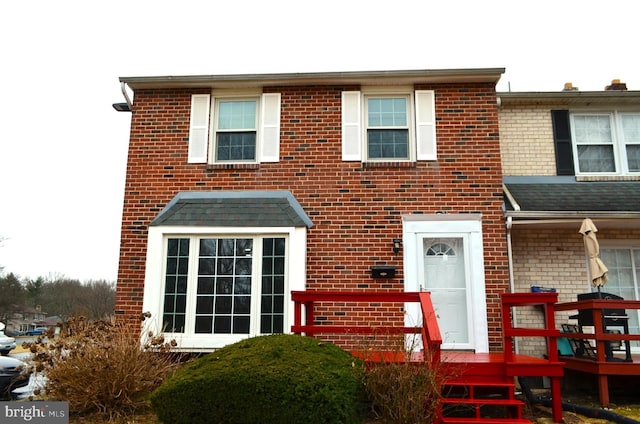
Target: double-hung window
235 130
226 128
387 120
606 143
388 125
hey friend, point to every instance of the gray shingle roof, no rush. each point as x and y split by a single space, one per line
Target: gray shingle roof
276 208
568 195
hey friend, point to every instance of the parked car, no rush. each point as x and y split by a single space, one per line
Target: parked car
7 344
38 331
13 375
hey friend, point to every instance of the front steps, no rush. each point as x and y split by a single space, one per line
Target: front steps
480 402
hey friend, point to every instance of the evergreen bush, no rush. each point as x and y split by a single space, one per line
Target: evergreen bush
267 379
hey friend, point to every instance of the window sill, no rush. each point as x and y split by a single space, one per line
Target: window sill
608 178
216 166
389 164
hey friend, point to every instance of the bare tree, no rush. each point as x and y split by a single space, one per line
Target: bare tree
100 298
67 297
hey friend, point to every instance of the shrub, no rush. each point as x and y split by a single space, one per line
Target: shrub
401 391
100 367
266 379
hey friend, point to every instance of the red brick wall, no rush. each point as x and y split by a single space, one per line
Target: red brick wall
356 209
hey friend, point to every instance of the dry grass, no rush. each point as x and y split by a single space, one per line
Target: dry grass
138 418
100 368
399 391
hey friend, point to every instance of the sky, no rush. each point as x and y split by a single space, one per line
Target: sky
63 148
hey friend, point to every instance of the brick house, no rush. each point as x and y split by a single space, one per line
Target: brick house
566 156
242 188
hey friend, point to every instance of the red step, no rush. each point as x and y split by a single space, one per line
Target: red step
451 420
479 402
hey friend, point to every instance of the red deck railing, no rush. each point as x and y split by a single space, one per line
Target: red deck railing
304 322
601 366
306 302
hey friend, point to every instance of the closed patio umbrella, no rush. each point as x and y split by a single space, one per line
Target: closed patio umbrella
597 268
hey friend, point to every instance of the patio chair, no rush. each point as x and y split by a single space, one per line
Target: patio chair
582 348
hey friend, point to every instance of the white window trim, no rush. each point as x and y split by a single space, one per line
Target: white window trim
618 142
215 113
153 298
410 125
202 126
421 122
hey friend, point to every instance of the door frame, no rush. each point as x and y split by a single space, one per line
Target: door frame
414 228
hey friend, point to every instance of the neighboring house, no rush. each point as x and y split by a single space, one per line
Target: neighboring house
242 188
566 156
27 319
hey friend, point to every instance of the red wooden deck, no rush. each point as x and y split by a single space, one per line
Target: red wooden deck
601 366
474 381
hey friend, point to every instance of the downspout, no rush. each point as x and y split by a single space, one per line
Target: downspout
509 224
123 88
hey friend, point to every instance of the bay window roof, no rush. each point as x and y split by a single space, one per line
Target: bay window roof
277 208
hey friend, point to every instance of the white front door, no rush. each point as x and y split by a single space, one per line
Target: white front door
443 255
444 274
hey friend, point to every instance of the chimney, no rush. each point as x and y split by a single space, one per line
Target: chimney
616 85
568 86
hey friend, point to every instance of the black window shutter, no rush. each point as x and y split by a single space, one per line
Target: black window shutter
562 141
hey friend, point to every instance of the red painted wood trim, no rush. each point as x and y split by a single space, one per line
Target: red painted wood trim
430 332
340 329
337 296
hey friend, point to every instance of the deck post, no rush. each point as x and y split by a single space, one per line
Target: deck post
554 368
297 314
603 388
310 315
556 400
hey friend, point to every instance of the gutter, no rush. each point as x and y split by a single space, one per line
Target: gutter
512 200
395 77
566 216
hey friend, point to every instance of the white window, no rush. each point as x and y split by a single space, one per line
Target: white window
396 125
228 295
234 129
623 264
387 120
209 289
606 143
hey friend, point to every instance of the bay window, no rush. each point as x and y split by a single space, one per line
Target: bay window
224 285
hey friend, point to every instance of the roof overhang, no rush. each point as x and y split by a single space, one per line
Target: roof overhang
570 98
400 77
603 220
555 202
